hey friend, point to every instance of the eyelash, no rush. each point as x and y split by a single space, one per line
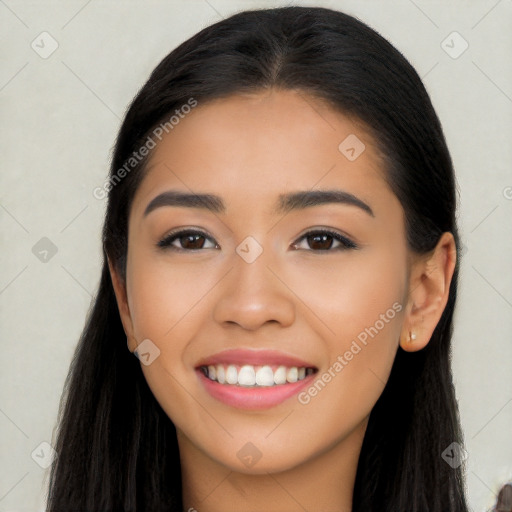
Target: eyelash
346 243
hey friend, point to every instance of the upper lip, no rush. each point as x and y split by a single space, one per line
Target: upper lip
255 358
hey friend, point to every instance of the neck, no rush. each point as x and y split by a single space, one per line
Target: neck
325 482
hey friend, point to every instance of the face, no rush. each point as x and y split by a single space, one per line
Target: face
294 304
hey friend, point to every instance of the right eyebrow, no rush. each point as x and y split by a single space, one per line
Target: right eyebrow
209 202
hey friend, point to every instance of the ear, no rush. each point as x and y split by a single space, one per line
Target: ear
119 286
429 287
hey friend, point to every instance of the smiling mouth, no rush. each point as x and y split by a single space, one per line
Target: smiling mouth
255 376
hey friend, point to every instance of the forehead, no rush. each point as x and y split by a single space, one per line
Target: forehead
251 148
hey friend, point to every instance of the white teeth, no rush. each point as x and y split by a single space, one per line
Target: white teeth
265 376
250 376
231 375
280 375
221 374
292 374
247 376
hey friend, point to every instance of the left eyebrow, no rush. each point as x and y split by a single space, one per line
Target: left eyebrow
286 202
306 199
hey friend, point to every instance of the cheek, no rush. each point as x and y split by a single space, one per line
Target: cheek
165 304
164 297
348 294
359 305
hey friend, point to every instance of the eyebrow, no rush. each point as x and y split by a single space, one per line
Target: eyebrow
286 202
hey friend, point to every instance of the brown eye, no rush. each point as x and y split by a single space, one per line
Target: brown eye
187 240
324 240
320 242
192 241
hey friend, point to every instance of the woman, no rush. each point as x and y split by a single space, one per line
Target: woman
280 256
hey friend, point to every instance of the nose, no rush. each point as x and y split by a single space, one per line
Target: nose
254 294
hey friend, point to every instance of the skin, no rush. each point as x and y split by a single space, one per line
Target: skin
310 303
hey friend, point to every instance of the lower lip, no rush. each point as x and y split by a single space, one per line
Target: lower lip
253 398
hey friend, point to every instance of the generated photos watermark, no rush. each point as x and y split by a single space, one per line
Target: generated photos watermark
343 360
143 151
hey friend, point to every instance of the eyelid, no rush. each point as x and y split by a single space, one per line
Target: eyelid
164 242
345 241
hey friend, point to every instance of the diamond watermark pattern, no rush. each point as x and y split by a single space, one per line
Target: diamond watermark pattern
454 45
44 250
44 455
249 454
44 45
249 249
454 455
351 147
463 249
146 352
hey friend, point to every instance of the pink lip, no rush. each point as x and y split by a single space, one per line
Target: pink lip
258 397
254 357
253 398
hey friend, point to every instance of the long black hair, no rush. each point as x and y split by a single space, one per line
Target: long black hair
117 449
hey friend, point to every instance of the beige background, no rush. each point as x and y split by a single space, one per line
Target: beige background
60 115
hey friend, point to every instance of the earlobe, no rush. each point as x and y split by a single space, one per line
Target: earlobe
122 303
428 294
